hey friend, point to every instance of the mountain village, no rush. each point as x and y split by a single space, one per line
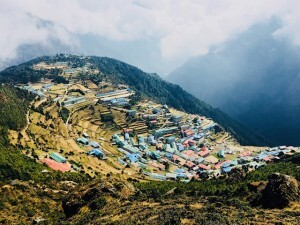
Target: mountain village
101 128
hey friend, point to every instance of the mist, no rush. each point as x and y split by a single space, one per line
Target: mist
254 77
156 36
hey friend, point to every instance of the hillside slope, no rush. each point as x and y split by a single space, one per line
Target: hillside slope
149 85
32 193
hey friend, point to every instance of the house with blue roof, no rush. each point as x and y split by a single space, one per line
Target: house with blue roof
94 144
221 154
126 136
119 101
133 157
178 170
84 134
155 155
97 153
180 147
158 176
171 139
122 162
83 141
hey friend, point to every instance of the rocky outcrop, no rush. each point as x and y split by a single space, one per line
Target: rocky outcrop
93 196
280 191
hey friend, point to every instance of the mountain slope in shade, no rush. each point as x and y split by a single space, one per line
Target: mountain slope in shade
150 85
255 78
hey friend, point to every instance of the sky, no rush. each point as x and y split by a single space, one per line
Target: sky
157 36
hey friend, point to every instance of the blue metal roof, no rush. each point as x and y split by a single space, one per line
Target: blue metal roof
227 164
133 157
83 140
226 169
94 144
95 152
179 170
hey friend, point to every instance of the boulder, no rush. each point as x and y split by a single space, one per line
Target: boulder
280 191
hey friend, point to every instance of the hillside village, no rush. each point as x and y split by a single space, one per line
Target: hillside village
104 127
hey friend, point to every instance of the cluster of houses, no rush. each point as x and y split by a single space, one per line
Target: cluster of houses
66 68
115 98
40 91
180 150
96 150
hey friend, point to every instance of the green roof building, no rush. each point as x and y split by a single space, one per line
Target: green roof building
57 157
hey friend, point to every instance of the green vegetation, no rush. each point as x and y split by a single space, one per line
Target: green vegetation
60 80
14 104
13 107
15 165
237 184
64 114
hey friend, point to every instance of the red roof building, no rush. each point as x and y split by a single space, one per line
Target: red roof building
268 158
189 153
204 167
192 142
189 164
63 167
218 166
245 153
188 132
203 153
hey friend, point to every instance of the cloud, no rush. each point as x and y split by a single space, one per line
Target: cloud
182 29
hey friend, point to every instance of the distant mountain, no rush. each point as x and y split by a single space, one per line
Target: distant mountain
30 51
255 78
149 85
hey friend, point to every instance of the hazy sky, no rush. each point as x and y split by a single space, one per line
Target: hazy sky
156 35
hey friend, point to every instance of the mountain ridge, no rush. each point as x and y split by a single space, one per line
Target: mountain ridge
147 84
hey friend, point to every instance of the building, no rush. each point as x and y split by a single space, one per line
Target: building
133 157
177 118
119 101
163 131
211 159
131 112
221 154
57 157
63 167
171 176
83 141
203 167
158 176
156 110
94 144
171 139
97 153
85 135
72 101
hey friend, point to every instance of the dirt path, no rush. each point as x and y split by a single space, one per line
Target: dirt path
24 130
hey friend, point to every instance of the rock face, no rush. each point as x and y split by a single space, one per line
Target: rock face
280 191
71 204
93 196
